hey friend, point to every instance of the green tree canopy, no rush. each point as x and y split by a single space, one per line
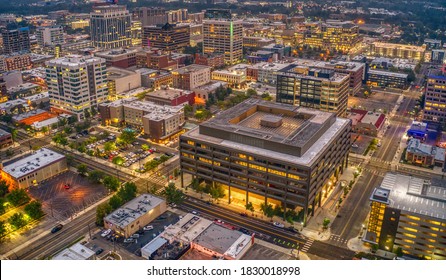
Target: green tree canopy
3 229
110 146
17 220
115 202
217 191
127 192
18 197
34 210
267 210
82 169
111 183
96 176
173 195
127 137
3 188
101 211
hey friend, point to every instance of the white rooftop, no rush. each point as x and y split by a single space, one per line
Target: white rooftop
186 229
32 163
75 252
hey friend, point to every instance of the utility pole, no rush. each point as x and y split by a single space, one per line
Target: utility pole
89 230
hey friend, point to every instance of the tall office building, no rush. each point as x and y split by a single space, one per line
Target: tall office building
265 152
321 89
16 40
409 213
150 16
110 27
76 83
50 36
435 100
177 16
167 37
223 35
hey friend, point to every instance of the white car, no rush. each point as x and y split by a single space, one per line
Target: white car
279 225
147 228
106 232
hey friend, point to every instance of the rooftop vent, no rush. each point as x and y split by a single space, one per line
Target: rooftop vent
271 121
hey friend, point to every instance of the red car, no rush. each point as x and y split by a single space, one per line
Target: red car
67 186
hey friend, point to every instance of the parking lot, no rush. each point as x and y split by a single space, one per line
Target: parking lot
66 194
259 252
376 101
360 143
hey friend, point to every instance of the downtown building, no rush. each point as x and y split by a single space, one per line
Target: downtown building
150 16
16 40
110 27
266 152
320 89
50 36
76 83
166 37
435 100
191 76
409 213
223 35
397 50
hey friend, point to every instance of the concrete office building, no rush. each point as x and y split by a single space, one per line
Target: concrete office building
50 36
70 96
223 35
235 78
123 58
167 37
15 61
191 76
408 212
266 152
319 89
34 168
150 16
265 72
16 40
435 104
379 78
155 79
135 214
110 27
120 81
171 97
397 50
159 122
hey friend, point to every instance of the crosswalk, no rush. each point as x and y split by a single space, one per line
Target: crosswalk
375 171
307 245
337 238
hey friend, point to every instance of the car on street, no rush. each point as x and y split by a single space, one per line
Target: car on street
293 229
279 225
57 228
195 212
135 235
146 228
355 146
106 232
67 186
99 251
129 240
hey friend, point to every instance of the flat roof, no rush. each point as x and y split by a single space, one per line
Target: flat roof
11 103
302 135
212 85
187 228
133 210
217 238
75 60
28 114
334 64
415 195
290 71
169 93
191 68
271 66
389 74
75 252
418 126
415 146
118 73
30 164
37 96
399 46
3 133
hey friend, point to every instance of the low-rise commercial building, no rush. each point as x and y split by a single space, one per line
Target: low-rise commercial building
202 92
122 58
191 76
379 78
423 154
366 122
15 61
235 78
121 80
34 168
77 252
5 139
397 50
418 130
265 152
212 60
155 79
408 212
171 97
135 214
257 42
265 72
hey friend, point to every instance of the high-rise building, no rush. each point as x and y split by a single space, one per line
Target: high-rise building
269 153
320 89
50 36
76 83
177 16
150 16
110 27
408 212
435 103
16 40
136 33
223 36
167 37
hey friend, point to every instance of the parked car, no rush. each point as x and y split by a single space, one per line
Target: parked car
279 225
129 240
99 251
57 228
106 232
147 228
292 229
135 235
67 186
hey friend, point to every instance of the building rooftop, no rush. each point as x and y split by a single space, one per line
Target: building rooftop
320 74
169 93
415 146
23 87
387 73
11 103
117 52
418 126
37 96
75 252
220 239
3 133
212 85
335 65
118 73
28 114
271 66
133 209
186 229
75 60
191 68
414 195
285 132
376 119
32 163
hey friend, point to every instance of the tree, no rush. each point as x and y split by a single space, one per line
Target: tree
399 251
3 229
3 205
217 191
115 202
34 210
188 109
110 146
250 207
14 133
17 220
127 137
18 197
118 160
111 183
82 169
145 147
325 223
95 176
87 114
67 130
101 211
45 130
173 195
266 96
127 192
251 92
267 210
3 188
